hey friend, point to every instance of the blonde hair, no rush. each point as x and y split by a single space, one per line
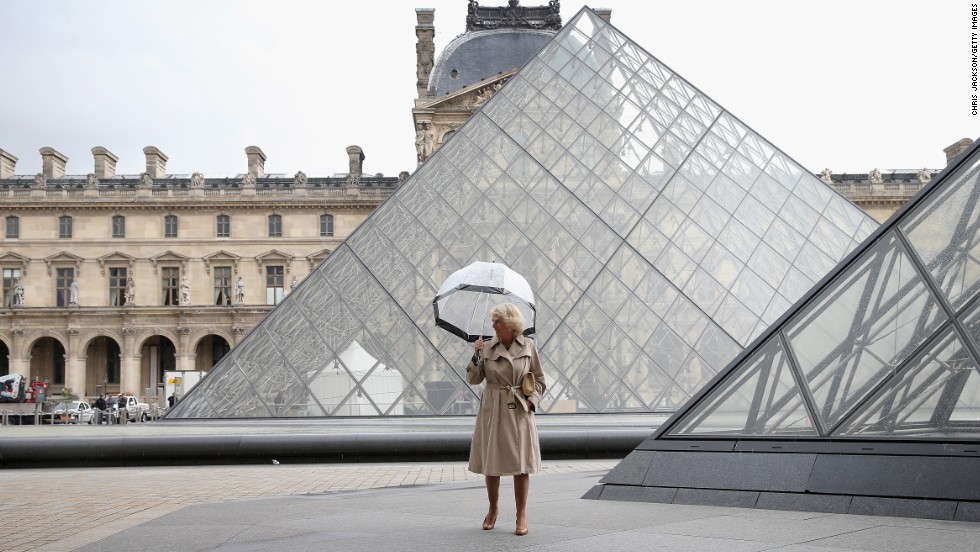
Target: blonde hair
511 316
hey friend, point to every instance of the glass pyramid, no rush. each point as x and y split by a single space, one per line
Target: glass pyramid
888 348
659 234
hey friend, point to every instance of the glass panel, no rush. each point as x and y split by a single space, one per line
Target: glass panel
935 396
943 232
862 328
760 398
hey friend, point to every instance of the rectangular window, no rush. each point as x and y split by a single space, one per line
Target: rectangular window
275 226
63 280
118 226
10 275
274 284
171 286
326 226
222 285
170 226
64 227
117 287
13 227
224 226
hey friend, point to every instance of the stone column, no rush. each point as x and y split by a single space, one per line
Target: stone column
20 360
185 356
129 377
75 364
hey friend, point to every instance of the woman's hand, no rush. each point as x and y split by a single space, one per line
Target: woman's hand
478 346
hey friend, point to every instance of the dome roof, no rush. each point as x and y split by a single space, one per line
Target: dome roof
479 55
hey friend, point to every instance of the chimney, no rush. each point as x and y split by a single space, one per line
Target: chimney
953 151
604 13
256 161
105 163
156 162
52 163
8 163
425 48
356 158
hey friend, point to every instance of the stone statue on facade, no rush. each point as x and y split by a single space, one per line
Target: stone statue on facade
420 144
402 176
825 175
485 94
240 291
300 179
874 176
197 180
40 181
293 284
249 180
185 292
146 181
18 299
925 175
73 293
130 291
91 182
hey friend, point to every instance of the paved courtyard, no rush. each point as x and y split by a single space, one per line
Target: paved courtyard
405 507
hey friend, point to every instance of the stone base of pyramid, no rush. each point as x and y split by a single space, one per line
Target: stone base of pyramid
920 480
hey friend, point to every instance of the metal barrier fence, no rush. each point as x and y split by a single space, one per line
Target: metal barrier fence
99 417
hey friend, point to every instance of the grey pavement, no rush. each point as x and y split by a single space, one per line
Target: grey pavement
447 516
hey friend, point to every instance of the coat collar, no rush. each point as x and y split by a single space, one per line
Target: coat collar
521 340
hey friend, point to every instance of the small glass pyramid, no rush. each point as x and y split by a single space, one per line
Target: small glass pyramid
888 348
659 234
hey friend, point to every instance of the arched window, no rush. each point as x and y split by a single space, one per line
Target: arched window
224 226
64 227
13 227
326 226
170 226
275 226
118 226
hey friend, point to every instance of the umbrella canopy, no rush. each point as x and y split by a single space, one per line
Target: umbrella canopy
463 303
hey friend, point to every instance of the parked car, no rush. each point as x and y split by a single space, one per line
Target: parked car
127 405
77 411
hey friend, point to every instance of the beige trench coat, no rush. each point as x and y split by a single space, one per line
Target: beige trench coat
505 440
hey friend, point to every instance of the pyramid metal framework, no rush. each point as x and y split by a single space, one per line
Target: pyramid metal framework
864 398
659 234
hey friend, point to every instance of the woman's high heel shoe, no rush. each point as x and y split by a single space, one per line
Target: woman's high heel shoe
520 532
489 521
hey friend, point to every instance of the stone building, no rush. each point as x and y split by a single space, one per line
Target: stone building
111 280
473 66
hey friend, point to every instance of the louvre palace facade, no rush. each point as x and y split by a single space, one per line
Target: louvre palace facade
111 280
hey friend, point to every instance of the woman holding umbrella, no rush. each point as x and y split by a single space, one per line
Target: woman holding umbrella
505 440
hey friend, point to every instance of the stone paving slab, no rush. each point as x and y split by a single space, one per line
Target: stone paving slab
429 507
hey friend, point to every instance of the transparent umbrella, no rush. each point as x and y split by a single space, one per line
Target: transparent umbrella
463 303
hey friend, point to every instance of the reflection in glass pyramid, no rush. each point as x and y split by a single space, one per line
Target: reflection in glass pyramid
659 234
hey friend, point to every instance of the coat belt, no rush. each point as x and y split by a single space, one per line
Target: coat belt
514 390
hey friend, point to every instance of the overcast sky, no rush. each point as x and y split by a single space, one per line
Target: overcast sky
841 84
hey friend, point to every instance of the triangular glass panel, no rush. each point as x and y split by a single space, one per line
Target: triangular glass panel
936 395
762 398
630 201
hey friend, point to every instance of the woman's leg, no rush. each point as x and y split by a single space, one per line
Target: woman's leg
522 484
493 492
